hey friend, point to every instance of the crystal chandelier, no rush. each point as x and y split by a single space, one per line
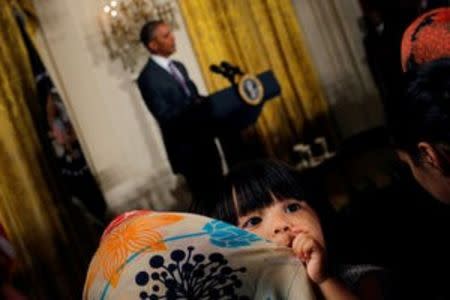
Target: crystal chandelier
120 24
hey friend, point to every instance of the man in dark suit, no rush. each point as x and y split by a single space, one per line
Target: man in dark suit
183 115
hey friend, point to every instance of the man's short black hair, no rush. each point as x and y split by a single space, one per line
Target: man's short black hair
148 31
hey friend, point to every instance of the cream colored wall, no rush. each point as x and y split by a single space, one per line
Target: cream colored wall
118 134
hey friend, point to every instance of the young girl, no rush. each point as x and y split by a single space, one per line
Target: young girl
265 198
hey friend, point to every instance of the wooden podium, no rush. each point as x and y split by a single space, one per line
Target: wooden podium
239 106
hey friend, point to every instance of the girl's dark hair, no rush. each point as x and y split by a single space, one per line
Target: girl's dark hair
423 113
254 184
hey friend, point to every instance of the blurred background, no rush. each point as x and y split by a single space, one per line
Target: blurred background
78 146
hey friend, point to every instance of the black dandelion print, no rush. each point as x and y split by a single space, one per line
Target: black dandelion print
190 276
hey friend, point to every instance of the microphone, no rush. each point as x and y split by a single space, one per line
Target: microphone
217 69
230 68
226 65
227 70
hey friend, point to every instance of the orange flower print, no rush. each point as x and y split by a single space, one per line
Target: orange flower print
133 235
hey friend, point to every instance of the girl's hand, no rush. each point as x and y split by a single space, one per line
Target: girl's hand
313 255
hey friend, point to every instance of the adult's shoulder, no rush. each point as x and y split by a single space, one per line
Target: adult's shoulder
179 63
146 70
181 67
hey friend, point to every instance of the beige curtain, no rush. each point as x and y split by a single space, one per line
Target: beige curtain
261 35
335 40
49 259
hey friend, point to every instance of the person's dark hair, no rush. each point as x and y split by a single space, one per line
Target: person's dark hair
423 113
148 31
256 183
253 184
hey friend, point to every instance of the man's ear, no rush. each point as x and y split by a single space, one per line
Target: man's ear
404 156
429 155
152 46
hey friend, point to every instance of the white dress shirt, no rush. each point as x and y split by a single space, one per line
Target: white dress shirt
162 61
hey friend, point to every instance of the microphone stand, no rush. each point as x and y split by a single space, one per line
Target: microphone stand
231 139
228 71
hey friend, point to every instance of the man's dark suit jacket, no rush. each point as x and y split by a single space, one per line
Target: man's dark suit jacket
185 125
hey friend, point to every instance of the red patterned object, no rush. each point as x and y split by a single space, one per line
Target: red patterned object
426 39
122 218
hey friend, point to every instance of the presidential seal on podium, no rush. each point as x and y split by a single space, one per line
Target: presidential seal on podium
251 89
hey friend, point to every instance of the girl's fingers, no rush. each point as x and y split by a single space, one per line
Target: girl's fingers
308 248
303 246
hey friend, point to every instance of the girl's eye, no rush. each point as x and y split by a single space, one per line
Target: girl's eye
251 222
293 207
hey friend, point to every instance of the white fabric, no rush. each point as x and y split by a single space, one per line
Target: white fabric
167 255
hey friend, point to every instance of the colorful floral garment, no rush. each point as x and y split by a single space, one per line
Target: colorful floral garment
156 255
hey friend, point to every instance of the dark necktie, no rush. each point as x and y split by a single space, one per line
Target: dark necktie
179 77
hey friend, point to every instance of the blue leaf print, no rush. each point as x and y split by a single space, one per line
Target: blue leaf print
228 236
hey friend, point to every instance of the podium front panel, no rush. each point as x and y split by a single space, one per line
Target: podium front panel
231 112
